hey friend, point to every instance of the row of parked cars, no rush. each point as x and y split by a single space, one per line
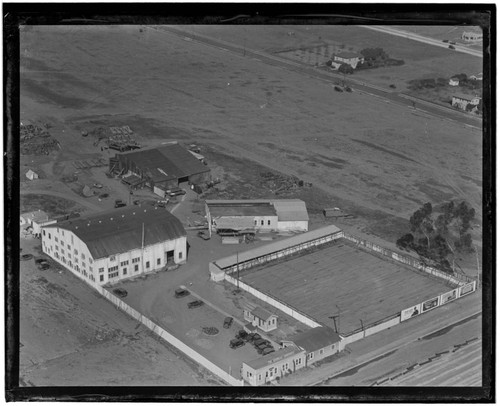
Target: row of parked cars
262 345
183 293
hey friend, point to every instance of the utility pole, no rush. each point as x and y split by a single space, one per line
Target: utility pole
334 318
478 271
237 272
362 327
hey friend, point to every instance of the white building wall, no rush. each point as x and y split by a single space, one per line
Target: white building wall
266 223
293 225
77 257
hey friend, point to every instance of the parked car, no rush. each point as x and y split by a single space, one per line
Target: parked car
228 321
119 203
254 337
348 89
242 334
43 266
203 234
176 192
195 303
451 47
236 343
98 185
26 257
181 292
338 89
120 292
267 350
445 40
39 261
259 342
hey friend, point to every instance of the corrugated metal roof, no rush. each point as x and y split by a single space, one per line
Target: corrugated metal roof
120 230
276 246
165 162
270 359
291 210
316 338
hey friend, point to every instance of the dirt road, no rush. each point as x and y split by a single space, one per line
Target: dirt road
81 201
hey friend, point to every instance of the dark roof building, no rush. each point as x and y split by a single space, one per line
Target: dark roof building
315 339
163 166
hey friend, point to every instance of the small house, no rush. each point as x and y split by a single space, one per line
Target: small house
479 76
318 343
31 175
275 365
454 82
461 101
260 317
36 220
472 36
350 58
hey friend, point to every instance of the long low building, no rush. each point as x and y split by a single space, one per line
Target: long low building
258 215
118 244
159 168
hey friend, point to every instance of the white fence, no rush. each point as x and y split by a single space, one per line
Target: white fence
170 338
275 302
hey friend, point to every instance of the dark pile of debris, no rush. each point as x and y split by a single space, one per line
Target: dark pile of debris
118 138
282 184
36 140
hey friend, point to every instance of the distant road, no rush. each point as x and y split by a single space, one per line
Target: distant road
330 77
88 205
420 38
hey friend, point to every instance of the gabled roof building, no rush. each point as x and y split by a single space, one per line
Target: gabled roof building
117 244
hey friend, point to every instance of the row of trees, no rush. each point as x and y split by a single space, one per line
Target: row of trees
440 235
432 83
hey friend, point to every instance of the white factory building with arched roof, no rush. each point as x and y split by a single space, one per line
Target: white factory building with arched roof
118 244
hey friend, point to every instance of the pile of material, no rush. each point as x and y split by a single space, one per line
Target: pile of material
281 184
36 140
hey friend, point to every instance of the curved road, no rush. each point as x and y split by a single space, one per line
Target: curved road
329 77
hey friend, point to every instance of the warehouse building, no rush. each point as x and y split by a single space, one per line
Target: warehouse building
118 244
159 168
256 215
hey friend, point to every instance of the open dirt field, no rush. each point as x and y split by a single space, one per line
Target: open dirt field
71 336
186 90
344 281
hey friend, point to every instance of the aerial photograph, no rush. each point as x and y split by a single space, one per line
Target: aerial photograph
257 206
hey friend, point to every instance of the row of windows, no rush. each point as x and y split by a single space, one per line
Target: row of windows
135 260
123 263
113 268
262 222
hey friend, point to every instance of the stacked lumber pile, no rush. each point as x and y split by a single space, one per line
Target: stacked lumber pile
36 140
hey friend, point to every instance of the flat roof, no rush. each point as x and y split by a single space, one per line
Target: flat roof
276 246
242 209
120 230
274 357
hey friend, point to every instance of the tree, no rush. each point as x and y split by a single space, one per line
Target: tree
346 69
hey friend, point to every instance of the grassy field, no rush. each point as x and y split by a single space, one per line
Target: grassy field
344 281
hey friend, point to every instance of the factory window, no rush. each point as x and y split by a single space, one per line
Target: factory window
136 268
56 255
72 239
113 268
112 258
57 247
69 247
101 278
180 255
249 374
147 264
62 251
261 222
158 261
70 264
62 231
62 243
101 270
320 352
310 355
75 251
90 260
285 366
268 222
123 263
113 275
255 221
84 265
333 346
50 238
83 255
260 377
135 260
124 271
76 260
64 260
91 270
56 239
69 256
43 232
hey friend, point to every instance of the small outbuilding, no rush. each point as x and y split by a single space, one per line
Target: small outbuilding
318 343
454 82
31 175
260 317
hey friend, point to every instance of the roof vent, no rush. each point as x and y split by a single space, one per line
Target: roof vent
144 211
99 221
111 218
76 227
123 215
133 213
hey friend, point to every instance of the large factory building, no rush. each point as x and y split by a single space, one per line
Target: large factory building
118 244
159 168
